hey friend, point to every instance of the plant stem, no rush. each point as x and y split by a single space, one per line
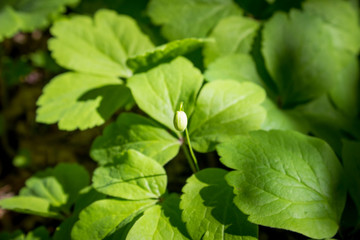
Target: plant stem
189 159
194 160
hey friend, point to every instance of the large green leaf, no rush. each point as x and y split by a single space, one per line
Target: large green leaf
209 211
159 91
103 217
239 67
351 161
341 19
27 15
160 222
79 100
286 180
224 109
134 176
100 46
132 131
233 34
164 53
30 205
299 59
189 18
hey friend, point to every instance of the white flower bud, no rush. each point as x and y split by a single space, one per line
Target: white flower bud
180 121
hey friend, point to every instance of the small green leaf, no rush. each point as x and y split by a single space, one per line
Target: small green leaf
164 53
102 217
133 176
351 161
189 18
286 180
234 34
301 60
50 191
224 109
60 185
27 15
79 100
132 131
239 67
209 211
100 46
160 222
159 91
30 205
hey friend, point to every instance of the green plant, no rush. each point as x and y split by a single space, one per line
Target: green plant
269 84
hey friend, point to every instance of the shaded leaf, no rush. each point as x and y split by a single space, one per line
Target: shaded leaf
79 100
189 18
239 67
164 53
351 161
27 15
102 217
300 60
234 34
160 222
209 211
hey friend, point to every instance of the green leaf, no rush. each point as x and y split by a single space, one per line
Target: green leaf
30 205
239 67
299 59
351 161
223 110
344 94
40 233
159 91
100 46
340 19
132 131
209 211
286 180
86 196
160 222
234 34
134 176
282 119
164 53
49 192
189 18
27 15
79 100
102 217
60 185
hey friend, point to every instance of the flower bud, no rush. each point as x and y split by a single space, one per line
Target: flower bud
180 121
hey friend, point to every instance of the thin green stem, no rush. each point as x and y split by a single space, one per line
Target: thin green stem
189 159
191 151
